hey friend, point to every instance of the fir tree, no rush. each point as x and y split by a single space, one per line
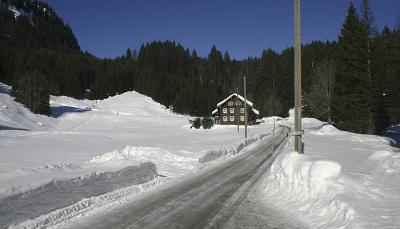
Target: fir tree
368 20
128 54
351 99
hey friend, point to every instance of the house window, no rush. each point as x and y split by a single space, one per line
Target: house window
242 118
238 103
232 118
225 118
242 110
232 110
225 110
230 103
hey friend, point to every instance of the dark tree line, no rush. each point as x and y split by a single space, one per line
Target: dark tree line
353 82
366 94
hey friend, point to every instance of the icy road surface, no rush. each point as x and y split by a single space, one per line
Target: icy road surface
223 196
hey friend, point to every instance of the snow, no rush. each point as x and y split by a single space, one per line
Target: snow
393 133
271 119
237 95
86 139
14 116
344 180
91 204
224 152
14 11
168 164
255 111
241 98
110 150
327 130
63 193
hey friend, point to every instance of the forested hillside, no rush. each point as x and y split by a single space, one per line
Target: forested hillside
353 82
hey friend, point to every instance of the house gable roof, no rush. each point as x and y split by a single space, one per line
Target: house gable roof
255 111
234 94
239 97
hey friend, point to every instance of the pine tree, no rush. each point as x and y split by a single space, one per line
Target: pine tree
128 54
351 97
393 42
227 58
382 73
368 20
215 61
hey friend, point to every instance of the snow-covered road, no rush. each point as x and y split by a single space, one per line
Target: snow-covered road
212 198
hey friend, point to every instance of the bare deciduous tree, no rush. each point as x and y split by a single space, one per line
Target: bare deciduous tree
319 99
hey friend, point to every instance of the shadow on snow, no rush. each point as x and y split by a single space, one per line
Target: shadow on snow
11 128
393 133
61 110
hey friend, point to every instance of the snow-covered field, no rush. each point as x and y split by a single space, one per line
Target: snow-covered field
93 148
344 180
91 154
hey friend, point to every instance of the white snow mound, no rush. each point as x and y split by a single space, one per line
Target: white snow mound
380 155
131 103
168 163
15 116
327 130
311 188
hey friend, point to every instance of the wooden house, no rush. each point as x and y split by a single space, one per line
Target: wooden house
230 111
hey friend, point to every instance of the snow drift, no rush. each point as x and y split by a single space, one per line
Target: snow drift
88 143
87 206
344 180
327 130
62 193
211 155
168 163
310 188
15 116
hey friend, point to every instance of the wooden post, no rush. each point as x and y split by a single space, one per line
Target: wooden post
273 137
235 113
245 108
298 145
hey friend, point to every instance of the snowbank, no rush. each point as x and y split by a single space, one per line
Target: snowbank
90 140
140 106
168 164
328 130
211 155
344 180
15 116
5 89
62 193
91 204
311 189
393 133
271 120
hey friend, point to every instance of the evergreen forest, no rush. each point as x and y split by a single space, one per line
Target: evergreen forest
353 82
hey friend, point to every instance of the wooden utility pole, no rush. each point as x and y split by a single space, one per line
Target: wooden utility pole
273 137
298 144
245 108
236 110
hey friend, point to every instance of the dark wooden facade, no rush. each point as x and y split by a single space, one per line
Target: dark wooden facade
231 111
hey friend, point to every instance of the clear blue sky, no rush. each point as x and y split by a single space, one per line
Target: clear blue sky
107 28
